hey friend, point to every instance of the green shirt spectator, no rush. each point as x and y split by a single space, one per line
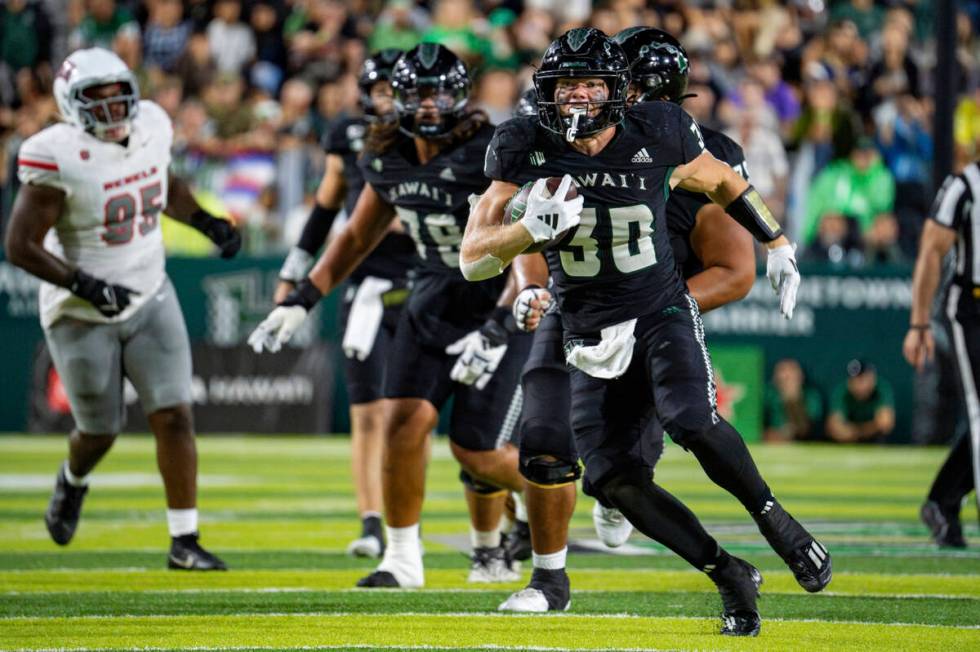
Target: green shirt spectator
792 409
862 409
104 21
867 16
860 187
25 34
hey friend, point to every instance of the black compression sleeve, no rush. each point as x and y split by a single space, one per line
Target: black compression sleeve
316 229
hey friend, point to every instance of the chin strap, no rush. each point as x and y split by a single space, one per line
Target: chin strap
573 129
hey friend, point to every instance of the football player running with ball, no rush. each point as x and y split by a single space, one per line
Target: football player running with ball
86 222
632 333
453 338
373 297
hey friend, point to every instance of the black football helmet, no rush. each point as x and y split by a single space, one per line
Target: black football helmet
527 105
658 63
377 67
430 70
582 52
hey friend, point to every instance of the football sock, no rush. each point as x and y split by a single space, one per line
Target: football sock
662 517
551 561
371 525
74 480
182 521
489 539
955 477
520 510
728 463
403 556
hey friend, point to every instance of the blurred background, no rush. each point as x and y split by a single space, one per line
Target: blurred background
832 101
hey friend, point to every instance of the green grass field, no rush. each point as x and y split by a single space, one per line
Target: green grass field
280 512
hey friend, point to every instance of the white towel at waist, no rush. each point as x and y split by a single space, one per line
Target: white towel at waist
611 356
364 319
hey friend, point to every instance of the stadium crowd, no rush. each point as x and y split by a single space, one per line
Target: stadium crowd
830 101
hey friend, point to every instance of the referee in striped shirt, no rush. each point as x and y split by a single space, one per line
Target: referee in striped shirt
954 220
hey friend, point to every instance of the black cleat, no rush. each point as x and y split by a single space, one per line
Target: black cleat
548 591
806 557
379 579
738 582
64 509
944 525
518 541
187 554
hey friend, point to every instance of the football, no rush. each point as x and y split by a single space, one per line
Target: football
518 203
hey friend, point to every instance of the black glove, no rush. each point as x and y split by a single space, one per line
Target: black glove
219 231
110 300
499 327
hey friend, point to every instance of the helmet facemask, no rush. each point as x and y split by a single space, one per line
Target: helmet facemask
588 118
428 110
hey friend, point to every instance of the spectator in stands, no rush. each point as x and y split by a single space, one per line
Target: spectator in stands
166 35
496 93
232 41
25 42
865 15
862 409
859 186
894 73
780 96
104 25
838 242
793 409
881 241
270 45
457 25
966 127
196 67
399 26
839 56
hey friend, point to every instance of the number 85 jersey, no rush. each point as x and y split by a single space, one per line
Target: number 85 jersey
617 264
109 227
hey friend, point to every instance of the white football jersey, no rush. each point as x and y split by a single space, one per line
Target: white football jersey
114 195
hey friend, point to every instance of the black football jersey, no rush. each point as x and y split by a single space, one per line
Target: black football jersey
432 200
683 205
618 263
395 254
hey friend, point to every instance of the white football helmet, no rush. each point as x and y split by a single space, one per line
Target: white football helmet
85 69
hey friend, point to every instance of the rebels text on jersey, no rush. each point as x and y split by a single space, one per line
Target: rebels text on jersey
683 205
618 263
113 198
432 200
395 254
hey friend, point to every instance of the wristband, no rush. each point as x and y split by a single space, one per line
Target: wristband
296 266
920 327
751 212
306 295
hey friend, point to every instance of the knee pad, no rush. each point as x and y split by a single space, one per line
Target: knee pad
549 471
615 488
478 486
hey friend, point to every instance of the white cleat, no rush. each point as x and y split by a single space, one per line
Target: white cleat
611 526
491 566
369 546
529 600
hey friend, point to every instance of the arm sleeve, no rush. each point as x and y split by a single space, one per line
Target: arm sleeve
951 201
37 165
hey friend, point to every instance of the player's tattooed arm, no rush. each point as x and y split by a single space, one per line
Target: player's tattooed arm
726 250
35 211
489 245
182 206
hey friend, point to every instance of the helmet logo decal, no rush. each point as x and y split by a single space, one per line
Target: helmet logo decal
65 71
428 54
577 37
624 35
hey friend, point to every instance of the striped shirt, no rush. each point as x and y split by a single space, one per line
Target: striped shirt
956 208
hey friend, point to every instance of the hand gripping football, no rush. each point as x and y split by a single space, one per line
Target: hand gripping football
518 205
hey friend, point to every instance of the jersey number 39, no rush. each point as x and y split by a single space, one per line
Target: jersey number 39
631 244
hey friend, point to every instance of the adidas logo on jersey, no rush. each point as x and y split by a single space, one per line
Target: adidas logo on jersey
447 174
641 157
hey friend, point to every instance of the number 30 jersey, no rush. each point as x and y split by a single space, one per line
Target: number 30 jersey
113 197
618 263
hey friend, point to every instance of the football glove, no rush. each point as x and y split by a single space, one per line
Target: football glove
276 329
108 299
546 217
221 232
532 303
784 276
480 351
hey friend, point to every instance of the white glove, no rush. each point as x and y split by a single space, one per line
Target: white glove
546 217
784 276
276 329
478 359
524 311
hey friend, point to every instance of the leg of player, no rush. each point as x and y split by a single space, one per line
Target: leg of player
685 400
408 424
486 507
71 485
177 461
549 464
367 446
